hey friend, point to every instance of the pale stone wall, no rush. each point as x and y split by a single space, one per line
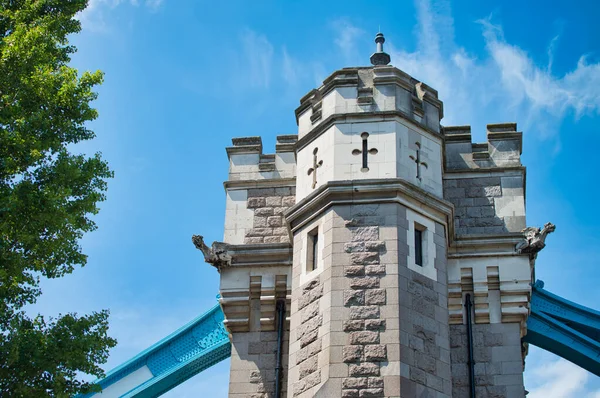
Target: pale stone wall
253 361
498 360
487 204
396 141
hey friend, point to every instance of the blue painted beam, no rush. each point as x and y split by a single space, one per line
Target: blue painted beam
557 307
564 328
188 351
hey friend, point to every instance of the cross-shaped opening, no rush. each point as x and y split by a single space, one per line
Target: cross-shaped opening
365 152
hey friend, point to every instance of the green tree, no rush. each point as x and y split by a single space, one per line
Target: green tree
47 194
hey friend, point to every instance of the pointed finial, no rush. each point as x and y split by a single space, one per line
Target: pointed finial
380 57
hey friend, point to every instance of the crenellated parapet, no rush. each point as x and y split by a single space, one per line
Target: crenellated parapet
485 181
502 149
259 190
248 162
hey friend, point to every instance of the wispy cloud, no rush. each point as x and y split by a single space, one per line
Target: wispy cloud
346 37
559 378
258 58
503 82
94 17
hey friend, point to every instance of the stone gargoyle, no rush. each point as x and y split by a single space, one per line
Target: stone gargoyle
217 255
535 240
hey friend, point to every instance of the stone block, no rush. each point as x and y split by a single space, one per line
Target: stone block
375 269
418 375
371 392
260 232
310 285
364 337
354 270
260 222
365 258
253 240
278 211
255 347
364 234
350 393
309 366
260 192
309 338
256 202
375 324
281 231
364 369
354 297
354 325
368 282
310 325
313 379
365 312
352 353
425 362
274 221
310 296
288 201
354 247
474 192
375 297
452 193
263 212
473 211
492 191
272 239
375 353
355 382
310 311
273 201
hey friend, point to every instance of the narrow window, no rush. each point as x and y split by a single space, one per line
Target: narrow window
418 246
312 258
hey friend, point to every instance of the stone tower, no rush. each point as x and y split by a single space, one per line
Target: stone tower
373 255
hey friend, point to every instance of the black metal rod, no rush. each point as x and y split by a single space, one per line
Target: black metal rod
471 362
280 326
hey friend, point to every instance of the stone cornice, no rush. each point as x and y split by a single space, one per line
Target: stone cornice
266 183
262 255
488 170
392 190
343 117
493 245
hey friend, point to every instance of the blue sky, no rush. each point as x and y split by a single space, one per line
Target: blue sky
184 77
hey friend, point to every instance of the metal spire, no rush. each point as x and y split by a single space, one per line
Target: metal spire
380 57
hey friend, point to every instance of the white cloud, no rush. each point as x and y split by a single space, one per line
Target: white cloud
258 56
289 69
346 36
558 378
503 83
94 17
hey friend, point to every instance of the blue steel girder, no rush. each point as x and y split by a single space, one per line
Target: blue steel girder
188 351
564 328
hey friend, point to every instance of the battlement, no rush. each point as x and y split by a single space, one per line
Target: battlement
248 162
358 92
502 149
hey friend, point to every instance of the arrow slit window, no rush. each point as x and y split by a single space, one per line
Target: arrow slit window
419 236
312 258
